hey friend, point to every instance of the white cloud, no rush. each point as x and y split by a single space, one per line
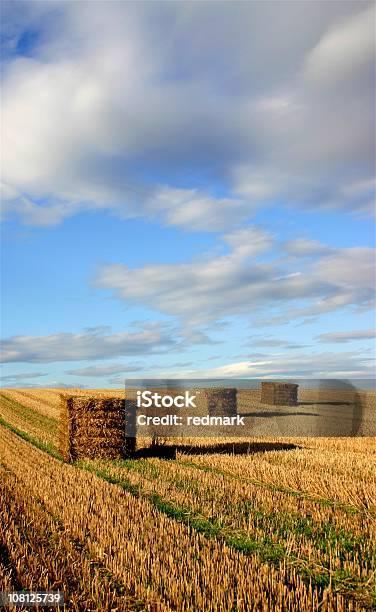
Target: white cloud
89 120
194 209
75 347
105 370
349 336
10 378
318 143
270 342
303 247
240 283
319 365
248 242
344 52
352 270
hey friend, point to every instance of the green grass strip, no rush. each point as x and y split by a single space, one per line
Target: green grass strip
324 535
209 527
40 420
151 471
323 501
266 549
47 447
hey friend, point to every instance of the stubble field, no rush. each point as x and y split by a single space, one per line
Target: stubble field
242 524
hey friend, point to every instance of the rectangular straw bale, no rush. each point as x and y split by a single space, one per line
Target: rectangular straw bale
279 394
96 427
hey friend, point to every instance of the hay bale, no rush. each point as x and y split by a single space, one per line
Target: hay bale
218 401
365 424
279 394
96 427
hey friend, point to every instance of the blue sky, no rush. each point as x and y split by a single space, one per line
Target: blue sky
187 189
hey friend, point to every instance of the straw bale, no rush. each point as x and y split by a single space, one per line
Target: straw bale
96 427
279 394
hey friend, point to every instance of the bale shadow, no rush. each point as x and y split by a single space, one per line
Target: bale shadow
236 448
226 448
159 451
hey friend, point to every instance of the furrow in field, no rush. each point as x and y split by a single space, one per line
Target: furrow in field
156 558
359 491
37 400
346 463
325 544
28 420
39 554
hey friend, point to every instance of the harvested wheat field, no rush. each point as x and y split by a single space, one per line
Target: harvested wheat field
262 523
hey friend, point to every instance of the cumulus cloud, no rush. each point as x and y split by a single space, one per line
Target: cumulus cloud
90 120
303 247
248 242
319 365
350 336
75 347
241 283
318 147
194 209
343 53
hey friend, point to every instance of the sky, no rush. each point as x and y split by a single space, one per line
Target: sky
187 190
